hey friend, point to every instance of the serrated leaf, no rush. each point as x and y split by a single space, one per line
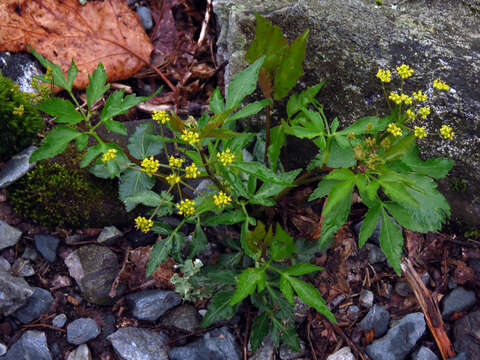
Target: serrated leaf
226 218
290 68
369 224
64 110
391 241
219 308
400 148
142 144
71 75
96 87
260 171
243 84
360 126
301 269
159 253
286 289
404 217
82 141
298 101
217 104
133 182
249 280
311 296
277 140
116 104
58 77
112 168
398 192
436 168
147 197
268 190
259 330
322 190
340 157
91 154
282 244
249 110
199 241
290 338
55 143
115 126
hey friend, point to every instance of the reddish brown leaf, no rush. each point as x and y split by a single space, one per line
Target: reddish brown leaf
100 31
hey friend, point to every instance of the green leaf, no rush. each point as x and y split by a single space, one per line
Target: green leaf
372 189
112 168
55 143
217 104
290 68
243 84
199 241
115 126
302 269
369 224
397 192
64 110
244 240
225 218
298 101
269 42
322 190
219 308
340 175
391 241
340 157
400 148
282 308
290 338
147 197
81 141
220 276
142 144
259 330
404 216
57 73
359 127
71 75
286 289
91 154
159 253
260 171
96 88
437 168
282 244
116 104
133 182
277 139
338 193
311 296
268 190
236 183
249 110
247 282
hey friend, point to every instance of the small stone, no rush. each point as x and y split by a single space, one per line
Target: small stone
145 17
343 354
300 310
202 312
452 284
183 317
354 309
31 345
14 292
82 330
59 321
20 67
403 288
4 264
132 343
217 344
375 254
266 351
151 304
399 340
109 234
424 353
204 186
37 304
458 300
9 235
3 349
80 353
30 254
377 319
16 167
23 268
466 332
47 245
286 353
366 298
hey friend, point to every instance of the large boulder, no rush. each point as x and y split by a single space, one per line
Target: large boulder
350 40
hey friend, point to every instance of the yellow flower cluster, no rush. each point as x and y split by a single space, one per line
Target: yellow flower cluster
419 96
447 132
150 166
384 75
397 99
226 157
160 116
175 162
143 224
407 100
394 130
404 71
424 112
440 85
222 199
186 207
173 179
18 110
419 132
190 137
109 155
191 172
410 114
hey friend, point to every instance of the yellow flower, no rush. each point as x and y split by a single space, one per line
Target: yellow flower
18 110
150 166
109 155
186 207
175 162
370 142
222 199
143 224
420 132
406 99
394 130
446 132
424 112
160 116
384 75
190 137
191 172
410 114
173 179
226 157
404 71
419 96
440 85
397 99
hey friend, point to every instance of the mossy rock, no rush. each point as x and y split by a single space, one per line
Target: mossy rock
20 121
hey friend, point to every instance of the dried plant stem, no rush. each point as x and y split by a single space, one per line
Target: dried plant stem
205 22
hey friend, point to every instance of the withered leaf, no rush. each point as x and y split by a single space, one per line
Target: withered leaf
62 30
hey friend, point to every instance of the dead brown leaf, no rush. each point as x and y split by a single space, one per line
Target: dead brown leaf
62 30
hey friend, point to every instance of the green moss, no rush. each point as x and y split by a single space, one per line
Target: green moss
20 121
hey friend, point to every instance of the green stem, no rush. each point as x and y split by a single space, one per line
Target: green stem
267 134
